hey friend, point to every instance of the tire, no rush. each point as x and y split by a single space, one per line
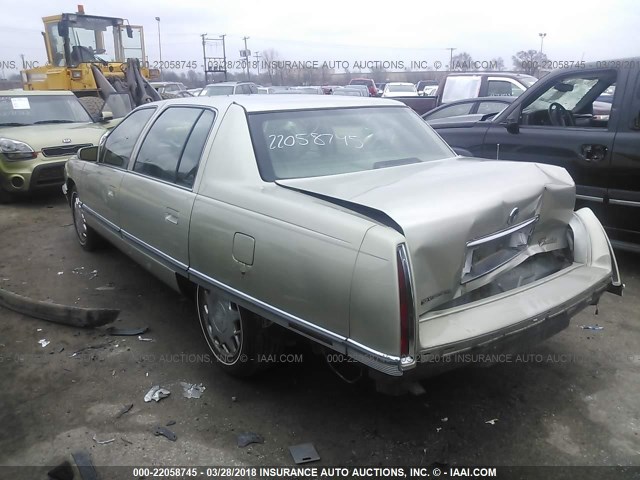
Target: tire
87 237
235 336
93 106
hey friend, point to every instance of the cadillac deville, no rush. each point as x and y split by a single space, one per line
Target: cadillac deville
346 220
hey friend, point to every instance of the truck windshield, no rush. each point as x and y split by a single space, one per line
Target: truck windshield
297 144
41 109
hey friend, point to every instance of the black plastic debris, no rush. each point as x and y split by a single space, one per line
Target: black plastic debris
304 453
247 438
126 332
84 464
165 432
170 422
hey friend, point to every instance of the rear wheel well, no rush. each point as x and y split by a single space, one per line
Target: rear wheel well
70 184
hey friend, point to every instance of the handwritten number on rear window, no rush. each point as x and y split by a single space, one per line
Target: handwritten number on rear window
319 139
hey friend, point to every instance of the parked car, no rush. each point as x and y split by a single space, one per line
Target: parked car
310 90
352 92
194 91
469 106
458 86
429 91
399 89
229 88
347 221
169 87
559 121
39 131
380 88
363 89
367 82
422 84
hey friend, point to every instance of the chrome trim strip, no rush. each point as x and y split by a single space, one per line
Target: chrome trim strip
502 233
99 217
626 203
374 355
589 198
403 256
155 251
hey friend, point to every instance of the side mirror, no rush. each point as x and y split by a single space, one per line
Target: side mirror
106 116
512 126
88 154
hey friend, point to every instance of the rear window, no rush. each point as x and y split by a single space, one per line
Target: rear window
361 82
297 144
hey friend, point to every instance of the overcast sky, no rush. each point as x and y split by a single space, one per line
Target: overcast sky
352 30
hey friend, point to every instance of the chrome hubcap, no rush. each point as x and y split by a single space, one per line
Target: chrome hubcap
78 219
221 323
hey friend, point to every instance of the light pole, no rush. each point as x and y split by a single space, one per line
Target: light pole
542 35
160 48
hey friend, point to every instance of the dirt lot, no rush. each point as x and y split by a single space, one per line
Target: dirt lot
575 402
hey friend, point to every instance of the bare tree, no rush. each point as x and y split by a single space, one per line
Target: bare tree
269 57
529 61
497 64
461 62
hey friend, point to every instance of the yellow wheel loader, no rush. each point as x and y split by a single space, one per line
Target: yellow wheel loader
93 57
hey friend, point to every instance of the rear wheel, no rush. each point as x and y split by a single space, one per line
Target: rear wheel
93 105
87 236
236 337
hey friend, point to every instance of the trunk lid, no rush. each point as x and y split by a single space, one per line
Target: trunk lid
441 206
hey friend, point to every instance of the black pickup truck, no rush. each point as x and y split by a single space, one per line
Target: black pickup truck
554 122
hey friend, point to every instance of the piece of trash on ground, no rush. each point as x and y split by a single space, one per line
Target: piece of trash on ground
38 329
93 274
105 287
60 273
124 409
492 421
191 390
43 342
170 422
144 339
445 419
126 332
304 453
103 442
438 429
126 441
165 432
246 438
156 393
595 327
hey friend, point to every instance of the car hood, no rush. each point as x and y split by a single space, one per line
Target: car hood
55 134
440 206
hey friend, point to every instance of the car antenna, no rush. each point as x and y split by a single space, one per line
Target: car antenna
498 151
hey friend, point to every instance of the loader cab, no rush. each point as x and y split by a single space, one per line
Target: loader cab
75 38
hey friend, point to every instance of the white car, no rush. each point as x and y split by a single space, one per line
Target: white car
400 89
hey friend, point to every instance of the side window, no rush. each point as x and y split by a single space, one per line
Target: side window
499 88
452 111
188 166
253 89
490 107
161 149
120 142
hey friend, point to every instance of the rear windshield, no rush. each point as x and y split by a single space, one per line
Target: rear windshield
311 143
360 82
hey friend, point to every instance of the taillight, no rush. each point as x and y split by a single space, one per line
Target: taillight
405 295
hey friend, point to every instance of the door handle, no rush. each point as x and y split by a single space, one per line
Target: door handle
171 218
593 152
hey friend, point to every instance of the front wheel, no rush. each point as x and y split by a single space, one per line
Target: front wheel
236 337
87 237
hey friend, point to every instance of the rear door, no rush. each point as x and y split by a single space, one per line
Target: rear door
100 194
583 148
157 192
623 217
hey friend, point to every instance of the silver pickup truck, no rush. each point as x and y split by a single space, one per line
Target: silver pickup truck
346 220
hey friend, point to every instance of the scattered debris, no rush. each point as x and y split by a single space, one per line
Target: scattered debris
92 347
126 332
234 399
246 438
143 339
93 274
61 349
304 453
126 441
43 342
60 273
124 409
165 432
156 393
103 442
53 312
595 327
438 429
170 422
106 287
445 419
86 469
492 421
38 329
191 390
77 270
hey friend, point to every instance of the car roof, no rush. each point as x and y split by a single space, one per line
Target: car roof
400 83
35 93
272 103
228 84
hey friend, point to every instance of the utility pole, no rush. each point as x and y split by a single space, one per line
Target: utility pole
450 57
204 59
24 67
542 35
160 49
257 57
246 56
224 56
